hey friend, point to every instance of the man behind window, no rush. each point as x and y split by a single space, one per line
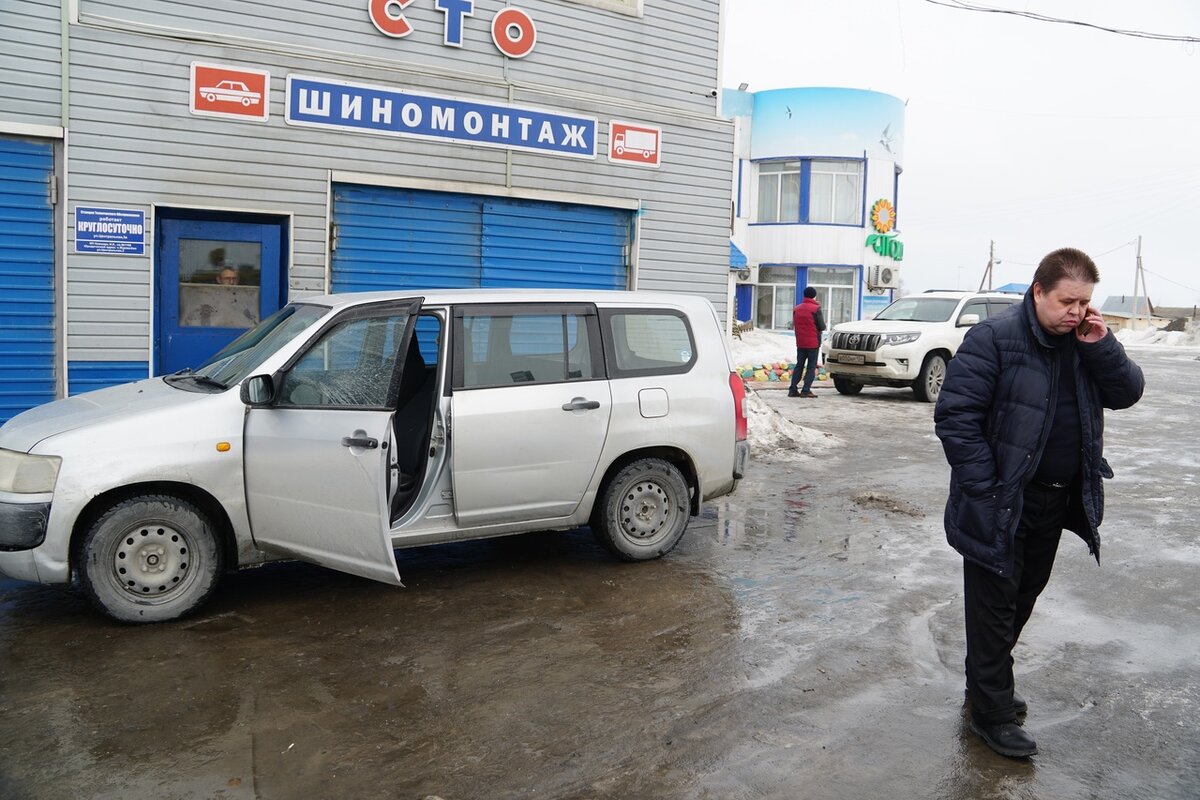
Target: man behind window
808 323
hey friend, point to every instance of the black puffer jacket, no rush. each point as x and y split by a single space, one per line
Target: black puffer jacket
993 416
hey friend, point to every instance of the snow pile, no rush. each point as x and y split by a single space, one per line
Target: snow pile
1153 336
763 347
771 432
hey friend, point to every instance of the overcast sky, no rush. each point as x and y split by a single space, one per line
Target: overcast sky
1033 134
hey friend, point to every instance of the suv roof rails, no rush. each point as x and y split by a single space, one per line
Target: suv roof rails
979 291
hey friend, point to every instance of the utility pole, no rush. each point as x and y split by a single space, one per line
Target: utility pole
1139 274
987 273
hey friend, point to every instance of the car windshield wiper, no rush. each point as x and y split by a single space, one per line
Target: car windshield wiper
187 374
204 380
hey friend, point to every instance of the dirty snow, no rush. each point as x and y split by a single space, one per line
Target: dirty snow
771 432
763 347
1151 337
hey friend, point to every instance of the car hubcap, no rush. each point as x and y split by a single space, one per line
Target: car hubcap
645 511
152 561
937 374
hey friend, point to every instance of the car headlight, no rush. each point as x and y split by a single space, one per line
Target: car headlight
22 473
899 338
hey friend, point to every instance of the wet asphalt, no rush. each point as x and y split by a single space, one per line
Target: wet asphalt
803 641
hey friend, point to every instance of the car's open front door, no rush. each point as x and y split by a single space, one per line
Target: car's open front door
317 459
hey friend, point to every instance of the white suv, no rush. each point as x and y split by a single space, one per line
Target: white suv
909 342
348 425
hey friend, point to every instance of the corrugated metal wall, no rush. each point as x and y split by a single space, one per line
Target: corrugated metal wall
26 276
30 75
134 144
400 239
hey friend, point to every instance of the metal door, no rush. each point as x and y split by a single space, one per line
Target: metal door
26 276
216 279
317 461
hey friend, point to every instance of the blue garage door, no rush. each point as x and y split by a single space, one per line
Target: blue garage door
26 276
408 239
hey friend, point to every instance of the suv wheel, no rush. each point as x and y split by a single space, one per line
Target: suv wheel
643 510
928 384
846 386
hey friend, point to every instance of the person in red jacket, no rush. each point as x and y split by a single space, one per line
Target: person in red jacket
808 323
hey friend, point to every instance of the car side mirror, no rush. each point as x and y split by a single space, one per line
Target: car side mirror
258 391
967 320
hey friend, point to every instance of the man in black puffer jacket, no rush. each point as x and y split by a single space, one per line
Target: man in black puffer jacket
1021 418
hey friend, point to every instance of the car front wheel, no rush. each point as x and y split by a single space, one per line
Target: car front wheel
846 386
929 382
643 510
150 559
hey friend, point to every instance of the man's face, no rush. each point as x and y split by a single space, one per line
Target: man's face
1062 308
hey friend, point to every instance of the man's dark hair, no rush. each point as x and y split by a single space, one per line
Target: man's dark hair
810 291
1066 262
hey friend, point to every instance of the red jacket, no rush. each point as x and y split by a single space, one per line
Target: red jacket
808 323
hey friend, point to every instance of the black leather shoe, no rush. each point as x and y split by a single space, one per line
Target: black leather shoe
793 393
1006 738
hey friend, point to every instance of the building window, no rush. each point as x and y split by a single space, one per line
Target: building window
775 297
779 191
835 192
817 191
835 292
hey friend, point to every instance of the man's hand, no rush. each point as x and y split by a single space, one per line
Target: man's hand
1093 324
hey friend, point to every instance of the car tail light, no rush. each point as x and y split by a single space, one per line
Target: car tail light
739 404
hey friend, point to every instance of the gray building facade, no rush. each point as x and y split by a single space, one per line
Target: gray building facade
171 172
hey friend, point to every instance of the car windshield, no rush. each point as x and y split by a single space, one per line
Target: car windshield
920 309
245 353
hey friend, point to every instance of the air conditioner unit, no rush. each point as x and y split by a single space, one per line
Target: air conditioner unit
747 275
881 277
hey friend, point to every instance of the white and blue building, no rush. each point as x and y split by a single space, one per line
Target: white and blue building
816 188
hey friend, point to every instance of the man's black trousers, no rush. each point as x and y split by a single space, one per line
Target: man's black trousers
997 608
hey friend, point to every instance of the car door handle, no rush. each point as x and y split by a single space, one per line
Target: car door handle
581 404
354 441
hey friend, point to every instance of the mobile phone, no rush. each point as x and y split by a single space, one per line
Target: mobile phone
1084 328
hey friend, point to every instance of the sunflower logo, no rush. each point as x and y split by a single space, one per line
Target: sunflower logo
883 215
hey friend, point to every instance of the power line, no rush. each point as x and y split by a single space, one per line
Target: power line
960 5
1115 249
1168 280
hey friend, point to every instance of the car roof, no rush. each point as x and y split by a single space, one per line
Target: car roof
956 295
478 296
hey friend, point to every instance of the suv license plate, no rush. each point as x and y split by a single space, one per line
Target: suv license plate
846 358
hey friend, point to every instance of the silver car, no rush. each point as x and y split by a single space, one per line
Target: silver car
345 426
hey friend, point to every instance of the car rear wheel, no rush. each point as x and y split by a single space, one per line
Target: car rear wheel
643 510
152 558
846 386
929 382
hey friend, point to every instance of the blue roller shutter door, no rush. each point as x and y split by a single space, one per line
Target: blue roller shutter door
26 276
408 239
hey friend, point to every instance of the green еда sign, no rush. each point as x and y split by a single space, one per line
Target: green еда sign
889 246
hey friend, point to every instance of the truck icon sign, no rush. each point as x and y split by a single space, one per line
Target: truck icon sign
644 143
230 92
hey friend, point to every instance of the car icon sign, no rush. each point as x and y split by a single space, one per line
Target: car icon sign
230 92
